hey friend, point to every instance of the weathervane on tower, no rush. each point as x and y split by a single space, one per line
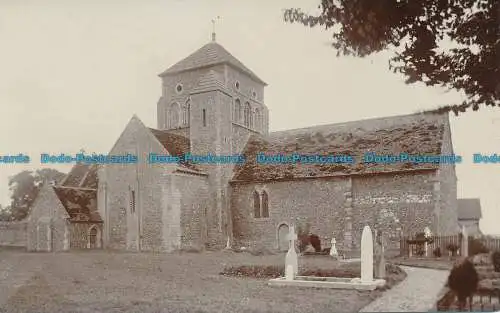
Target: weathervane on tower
213 27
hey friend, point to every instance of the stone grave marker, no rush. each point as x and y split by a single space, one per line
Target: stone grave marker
291 256
366 255
333 250
465 242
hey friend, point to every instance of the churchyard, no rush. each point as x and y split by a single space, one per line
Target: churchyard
222 281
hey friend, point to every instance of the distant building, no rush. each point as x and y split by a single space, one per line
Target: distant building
469 214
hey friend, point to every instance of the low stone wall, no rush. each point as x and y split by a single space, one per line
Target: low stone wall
13 234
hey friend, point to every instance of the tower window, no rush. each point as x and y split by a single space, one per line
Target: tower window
237 85
237 111
132 201
247 118
178 88
256 204
204 117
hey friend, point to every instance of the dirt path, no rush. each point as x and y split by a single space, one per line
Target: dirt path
417 293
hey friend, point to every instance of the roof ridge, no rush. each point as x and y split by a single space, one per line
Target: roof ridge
353 122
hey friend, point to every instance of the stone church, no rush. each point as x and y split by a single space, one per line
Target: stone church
212 103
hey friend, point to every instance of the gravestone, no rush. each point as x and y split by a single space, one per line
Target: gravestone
291 256
379 255
228 244
289 272
427 234
366 255
333 250
465 242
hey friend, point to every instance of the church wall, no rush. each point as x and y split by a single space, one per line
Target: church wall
189 80
79 234
240 137
13 234
193 202
319 202
123 225
393 203
46 223
247 85
447 188
244 94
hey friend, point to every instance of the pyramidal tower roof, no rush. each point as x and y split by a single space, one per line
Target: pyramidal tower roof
210 81
210 54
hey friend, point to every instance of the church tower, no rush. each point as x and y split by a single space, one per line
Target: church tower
214 100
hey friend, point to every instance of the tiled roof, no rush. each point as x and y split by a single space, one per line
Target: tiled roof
469 209
176 145
413 134
210 81
81 204
75 175
210 54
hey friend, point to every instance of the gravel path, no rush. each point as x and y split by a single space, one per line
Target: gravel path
417 293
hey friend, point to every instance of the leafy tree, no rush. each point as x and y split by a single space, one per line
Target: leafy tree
25 186
415 31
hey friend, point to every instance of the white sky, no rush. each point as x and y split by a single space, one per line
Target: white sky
72 74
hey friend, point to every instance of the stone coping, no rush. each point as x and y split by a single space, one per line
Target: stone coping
328 282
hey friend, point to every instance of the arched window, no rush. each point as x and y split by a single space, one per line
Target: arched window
248 115
185 113
237 110
256 204
257 120
174 115
265 204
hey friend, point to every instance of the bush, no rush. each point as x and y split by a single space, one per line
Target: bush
452 248
303 237
463 281
495 259
477 247
437 252
315 242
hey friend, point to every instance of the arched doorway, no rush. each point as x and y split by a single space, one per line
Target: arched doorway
94 238
283 243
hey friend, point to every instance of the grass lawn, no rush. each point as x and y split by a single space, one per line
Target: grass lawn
103 281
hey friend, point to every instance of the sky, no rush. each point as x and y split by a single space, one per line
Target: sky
72 74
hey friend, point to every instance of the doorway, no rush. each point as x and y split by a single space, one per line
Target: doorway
283 243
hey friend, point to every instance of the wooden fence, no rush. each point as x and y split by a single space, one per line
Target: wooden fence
443 243
482 301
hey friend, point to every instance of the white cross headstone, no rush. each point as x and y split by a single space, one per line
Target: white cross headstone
291 256
333 250
366 255
427 234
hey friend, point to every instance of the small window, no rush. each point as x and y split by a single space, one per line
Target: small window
204 117
178 88
256 204
254 94
237 85
265 208
132 201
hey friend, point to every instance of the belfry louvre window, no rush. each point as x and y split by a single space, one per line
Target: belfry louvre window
132 201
